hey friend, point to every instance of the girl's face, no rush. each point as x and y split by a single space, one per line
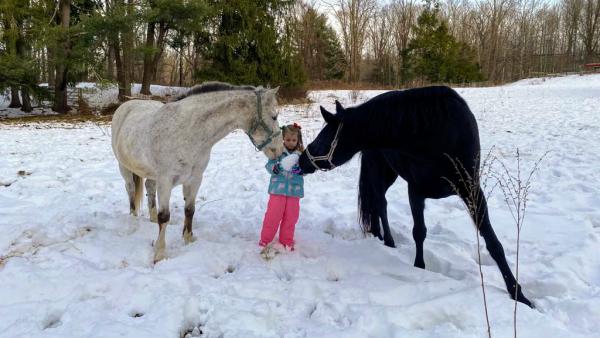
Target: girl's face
290 141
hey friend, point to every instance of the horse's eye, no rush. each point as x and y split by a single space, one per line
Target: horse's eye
274 118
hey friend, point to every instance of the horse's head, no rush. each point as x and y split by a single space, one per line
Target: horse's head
329 149
264 131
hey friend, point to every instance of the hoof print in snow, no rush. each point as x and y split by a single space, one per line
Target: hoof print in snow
136 314
230 268
195 331
52 321
284 276
23 173
6 183
332 277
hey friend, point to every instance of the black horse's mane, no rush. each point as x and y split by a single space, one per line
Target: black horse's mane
212 86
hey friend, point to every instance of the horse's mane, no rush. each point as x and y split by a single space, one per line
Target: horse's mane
212 86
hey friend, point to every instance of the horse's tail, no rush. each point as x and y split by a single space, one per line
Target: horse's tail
367 192
139 193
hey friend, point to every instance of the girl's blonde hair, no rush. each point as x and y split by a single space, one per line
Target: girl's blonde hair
294 128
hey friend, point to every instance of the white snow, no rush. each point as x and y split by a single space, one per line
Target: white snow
289 161
73 263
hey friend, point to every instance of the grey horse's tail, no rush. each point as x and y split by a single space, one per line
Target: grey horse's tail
139 193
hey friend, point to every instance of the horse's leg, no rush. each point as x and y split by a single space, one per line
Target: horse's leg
375 229
388 240
417 205
133 185
151 191
495 248
189 195
390 177
163 188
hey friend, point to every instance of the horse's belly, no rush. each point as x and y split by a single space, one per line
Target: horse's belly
137 164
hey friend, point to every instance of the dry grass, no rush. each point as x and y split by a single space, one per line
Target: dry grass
66 118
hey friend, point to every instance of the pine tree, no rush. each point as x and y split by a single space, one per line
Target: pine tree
244 47
435 55
322 55
17 67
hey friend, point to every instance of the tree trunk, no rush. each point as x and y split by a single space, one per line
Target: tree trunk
181 66
110 63
24 53
160 46
148 60
60 87
26 100
127 46
60 90
15 102
50 65
120 70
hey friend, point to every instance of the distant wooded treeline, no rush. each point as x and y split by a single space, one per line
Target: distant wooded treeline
287 43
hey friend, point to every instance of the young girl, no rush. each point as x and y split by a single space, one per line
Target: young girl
286 187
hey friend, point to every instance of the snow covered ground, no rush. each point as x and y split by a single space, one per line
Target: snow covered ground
73 263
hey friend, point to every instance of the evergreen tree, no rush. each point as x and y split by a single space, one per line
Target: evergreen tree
17 67
335 63
435 55
244 47
322 55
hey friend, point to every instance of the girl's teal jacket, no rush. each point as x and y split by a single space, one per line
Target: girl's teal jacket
285 182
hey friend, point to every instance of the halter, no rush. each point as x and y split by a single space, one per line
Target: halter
258 122
328 156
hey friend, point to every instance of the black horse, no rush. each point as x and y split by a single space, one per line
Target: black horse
429 137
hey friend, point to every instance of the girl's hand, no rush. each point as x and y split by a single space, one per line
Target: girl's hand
276 168
296 170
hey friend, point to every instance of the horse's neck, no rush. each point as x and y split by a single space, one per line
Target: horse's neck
369 134
219 114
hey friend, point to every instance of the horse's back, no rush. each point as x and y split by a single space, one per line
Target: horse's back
133 107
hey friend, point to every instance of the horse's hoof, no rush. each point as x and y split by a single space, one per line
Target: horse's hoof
420 264
188 238
522 299
159 256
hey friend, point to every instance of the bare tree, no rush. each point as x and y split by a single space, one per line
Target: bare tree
497 11
515 188
353 17
403 16
379 38
476 188
571 13
590 29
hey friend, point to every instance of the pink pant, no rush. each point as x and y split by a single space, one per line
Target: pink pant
284 211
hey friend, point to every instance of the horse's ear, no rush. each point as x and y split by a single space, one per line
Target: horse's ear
327 116
338 107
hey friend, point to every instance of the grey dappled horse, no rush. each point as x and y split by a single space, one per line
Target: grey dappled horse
169 144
